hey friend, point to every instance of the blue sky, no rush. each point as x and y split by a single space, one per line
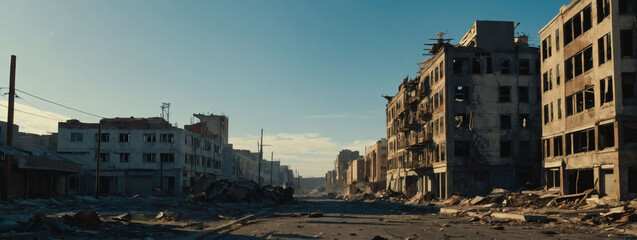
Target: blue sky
310 73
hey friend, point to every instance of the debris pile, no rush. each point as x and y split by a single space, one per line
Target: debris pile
220 190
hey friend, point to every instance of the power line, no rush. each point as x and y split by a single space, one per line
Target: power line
25 112
59 104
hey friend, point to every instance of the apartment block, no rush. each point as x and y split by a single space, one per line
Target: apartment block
470 120
138 155
589 98
376 164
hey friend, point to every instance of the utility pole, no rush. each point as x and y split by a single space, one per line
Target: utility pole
7 159
271 167
97 157
260 156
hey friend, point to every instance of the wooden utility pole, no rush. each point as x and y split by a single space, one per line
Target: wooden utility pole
260 156
7 159
98 155
271 167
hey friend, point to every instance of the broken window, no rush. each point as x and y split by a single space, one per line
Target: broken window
626 42
461 120
559 108
606 136
505 148
505 121
604 49
441 69
545 48
167 157
545 81
627 7
436 74
476 65
148 157
524 118
557 39
557 146
603 10
546 148
587 20
568 69
523 94
553 178
579 63
150 137
628 88
551 111
440 94
546 114
505 66
124 157
569 147
588 58
583 141
525 67
504 94
577 25
461 94
76 137
606 90
105 157
579 102
568 32
124 137
436 100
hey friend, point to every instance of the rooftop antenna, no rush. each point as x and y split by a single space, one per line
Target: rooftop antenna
165 111
440 43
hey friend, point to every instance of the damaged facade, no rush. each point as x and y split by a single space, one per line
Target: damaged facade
589 98
470 120
138 155
376 164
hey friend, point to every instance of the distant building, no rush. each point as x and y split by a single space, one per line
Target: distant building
138 154
217 124
470 120
376 164
589 98
341 163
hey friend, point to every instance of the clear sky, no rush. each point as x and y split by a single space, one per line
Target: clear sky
310 73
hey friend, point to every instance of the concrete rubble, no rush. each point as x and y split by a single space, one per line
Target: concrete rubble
582 210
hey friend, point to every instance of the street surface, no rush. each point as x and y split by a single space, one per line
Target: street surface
320 218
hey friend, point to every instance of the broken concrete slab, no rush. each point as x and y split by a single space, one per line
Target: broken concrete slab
520 217
449 211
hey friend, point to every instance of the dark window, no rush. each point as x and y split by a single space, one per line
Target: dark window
505 67
504 94
167 157
604 49
546 114
462 148
148 158
545 81
583 141
546 148
105 157
588 59
569 105
523 94
577 25
603 9
105 137
457 66
441 70
166 138
557 74
124 137
606 90
524 68
557 39
505 148
476 65
461 94
489 65
577 64
124 157
586 19
149 137
568 69
545 48
627 7
559 108
568 32
557 146
606 136
626 42
76 137
628 88
630 135
589 98
505 121
551 111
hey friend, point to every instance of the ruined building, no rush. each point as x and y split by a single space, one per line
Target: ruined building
376 164
341 163
470 120
589 98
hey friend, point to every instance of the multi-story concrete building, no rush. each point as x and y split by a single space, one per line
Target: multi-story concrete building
356 171
589 98
217 124
376 164
247 164
341 163
138 154
470 120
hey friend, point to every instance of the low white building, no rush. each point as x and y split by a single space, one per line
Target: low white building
138 155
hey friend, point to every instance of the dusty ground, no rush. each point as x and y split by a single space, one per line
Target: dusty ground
366 220
305 218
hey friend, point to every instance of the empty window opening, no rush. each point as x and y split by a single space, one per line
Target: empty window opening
489 65
579 180
505 66
577 25
505 148
606 90
523 94
461 94
558 149
553 178
124 137
628 88
149 158
105 137
476 65
124 157
603 10
557 74
149 137
559 108
604 49
606 136
524 67
504 94
583 141
626 42
105 157
546 148
546 114
627 6
630 136
167 157
557 39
